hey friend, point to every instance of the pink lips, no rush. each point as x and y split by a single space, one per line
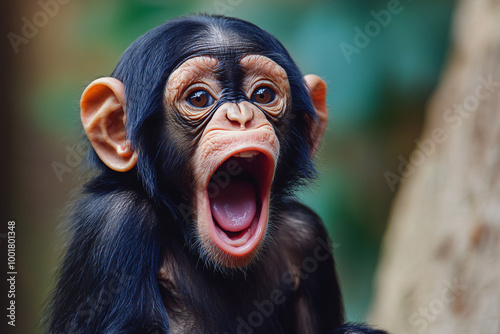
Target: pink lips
237 202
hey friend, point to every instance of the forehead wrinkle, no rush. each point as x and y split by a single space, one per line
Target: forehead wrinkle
258 65
191 71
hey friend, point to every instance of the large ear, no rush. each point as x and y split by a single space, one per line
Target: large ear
104 118
317 91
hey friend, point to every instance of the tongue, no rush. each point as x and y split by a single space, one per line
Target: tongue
235 206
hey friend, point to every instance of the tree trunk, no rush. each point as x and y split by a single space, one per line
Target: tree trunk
440 268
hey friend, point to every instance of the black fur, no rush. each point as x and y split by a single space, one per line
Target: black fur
126 226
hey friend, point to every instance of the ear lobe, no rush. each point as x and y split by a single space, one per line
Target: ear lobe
103 117
317 92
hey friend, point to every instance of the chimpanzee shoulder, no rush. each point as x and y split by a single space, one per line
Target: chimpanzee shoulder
301 227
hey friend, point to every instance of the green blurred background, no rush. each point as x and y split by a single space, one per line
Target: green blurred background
376 101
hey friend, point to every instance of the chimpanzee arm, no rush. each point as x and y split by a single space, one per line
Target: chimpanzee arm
317 297
107 283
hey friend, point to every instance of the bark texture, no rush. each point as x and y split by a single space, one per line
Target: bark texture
440 269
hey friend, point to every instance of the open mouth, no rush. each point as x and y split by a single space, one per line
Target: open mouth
238 196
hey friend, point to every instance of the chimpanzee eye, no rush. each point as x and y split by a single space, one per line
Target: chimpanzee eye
263 95
200 99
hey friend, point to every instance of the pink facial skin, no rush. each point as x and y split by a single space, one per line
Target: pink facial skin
239 143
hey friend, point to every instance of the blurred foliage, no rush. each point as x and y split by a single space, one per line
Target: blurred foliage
376 101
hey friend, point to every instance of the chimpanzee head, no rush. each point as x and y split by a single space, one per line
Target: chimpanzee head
211 116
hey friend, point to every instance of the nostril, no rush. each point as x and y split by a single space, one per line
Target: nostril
234 115
247 114
241 115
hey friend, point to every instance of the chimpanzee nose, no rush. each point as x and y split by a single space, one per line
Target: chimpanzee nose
241 113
